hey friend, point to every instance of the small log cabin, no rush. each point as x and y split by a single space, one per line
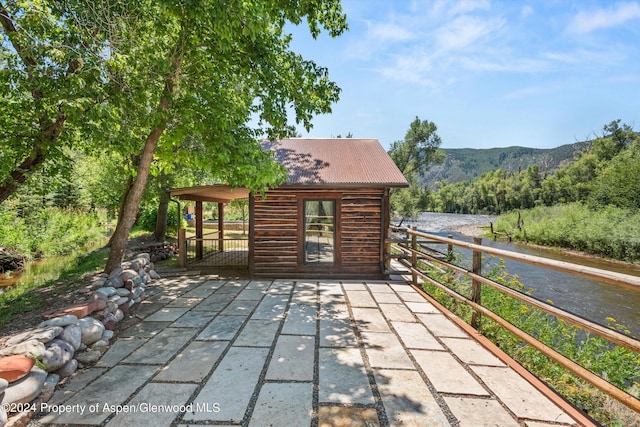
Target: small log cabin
329 219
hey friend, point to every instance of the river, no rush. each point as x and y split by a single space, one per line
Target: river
590 299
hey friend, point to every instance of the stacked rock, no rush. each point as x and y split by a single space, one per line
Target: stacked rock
34 361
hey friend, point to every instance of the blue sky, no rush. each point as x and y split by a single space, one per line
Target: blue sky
488 73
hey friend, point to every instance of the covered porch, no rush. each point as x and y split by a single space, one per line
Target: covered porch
212 250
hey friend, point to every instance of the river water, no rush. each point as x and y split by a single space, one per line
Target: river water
590 299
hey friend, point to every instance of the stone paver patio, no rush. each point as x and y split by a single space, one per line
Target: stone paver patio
207 351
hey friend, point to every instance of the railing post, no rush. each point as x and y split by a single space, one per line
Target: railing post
476 286
450 249
199 233
182 248
414 256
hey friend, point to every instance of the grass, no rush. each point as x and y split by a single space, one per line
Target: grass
609 232
65 275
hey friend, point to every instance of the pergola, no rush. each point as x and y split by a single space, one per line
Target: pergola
217 193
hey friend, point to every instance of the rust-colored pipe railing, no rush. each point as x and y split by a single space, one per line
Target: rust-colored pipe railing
619 279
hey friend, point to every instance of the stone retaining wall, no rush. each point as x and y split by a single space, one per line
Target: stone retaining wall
34 361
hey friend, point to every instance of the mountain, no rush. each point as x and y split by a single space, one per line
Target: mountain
465 164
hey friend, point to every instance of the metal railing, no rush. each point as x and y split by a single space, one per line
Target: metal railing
412 253
213 250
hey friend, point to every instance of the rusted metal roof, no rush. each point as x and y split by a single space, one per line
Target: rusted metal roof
336 162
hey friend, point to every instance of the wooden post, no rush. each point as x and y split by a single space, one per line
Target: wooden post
221 227
476 286
199 230
182 248
450 249
414 256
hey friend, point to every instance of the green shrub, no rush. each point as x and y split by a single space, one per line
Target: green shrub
50 231
610 232
147 219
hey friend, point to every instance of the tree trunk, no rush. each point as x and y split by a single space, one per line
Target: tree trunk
123 201
160 233
132 201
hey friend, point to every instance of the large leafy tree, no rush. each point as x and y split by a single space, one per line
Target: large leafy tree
50 76
413 156
209 68
138 77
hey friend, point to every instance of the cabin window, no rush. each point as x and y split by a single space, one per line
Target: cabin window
319 231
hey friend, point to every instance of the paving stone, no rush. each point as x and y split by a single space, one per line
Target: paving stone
370 319
407 400
330 289
112 388
185 302
354 286
415 335
80 379
258 333
379 287
402 287
120 349
280 287
239 308
361 299
225 388
167 314
272 307
162 347
292 358
204 290
144 329
339 416
386 298
337 333
520 396
193 363
479 412
214 303
385 351
262 285
300 319
334 309
222 328
169 401
440 326
412 296
470 352
447 374
283 404
250 294
232 287
342 377
422 307
147 308
397 312
194 319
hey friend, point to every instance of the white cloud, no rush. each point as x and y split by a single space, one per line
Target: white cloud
526 11
465 6
465 31
588 21
389 32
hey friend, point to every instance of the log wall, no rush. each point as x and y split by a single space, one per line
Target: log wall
277 234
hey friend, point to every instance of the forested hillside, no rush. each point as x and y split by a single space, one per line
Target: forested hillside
466 164
605 173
